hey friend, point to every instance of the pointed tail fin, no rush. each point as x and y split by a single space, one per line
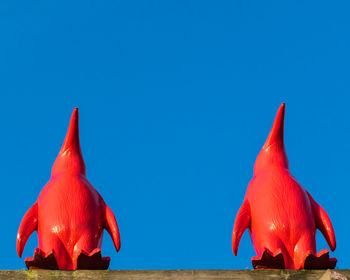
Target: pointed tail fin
241 224
323 223
28 225
110 224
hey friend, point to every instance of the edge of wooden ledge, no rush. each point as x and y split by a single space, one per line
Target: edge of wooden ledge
173 274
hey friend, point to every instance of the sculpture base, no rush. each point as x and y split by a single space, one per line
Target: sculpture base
269 261
92 261
276 261
320 261
41 260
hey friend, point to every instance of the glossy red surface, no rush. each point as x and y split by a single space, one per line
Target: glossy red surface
69 215
280 214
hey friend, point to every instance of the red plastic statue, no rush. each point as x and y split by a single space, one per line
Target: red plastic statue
69 215
280 214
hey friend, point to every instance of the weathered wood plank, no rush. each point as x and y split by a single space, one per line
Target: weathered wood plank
176 274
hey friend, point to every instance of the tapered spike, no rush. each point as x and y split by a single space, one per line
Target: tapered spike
70 158
72 138
273 152
277 130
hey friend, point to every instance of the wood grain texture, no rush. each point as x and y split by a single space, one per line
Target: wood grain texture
176 274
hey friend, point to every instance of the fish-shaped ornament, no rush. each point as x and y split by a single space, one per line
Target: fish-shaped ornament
69 215
282 217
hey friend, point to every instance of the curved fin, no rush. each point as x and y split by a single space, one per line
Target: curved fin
110 224
241 224
323 223
273 152
70 157
28 225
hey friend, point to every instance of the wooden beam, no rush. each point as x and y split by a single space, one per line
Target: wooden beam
175 274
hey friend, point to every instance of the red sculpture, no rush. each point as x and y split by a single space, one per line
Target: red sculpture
280 214
69 215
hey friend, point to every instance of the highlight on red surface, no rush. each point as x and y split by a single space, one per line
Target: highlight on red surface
280 214
69 215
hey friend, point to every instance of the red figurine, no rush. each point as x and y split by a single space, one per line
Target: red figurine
280 214
69 215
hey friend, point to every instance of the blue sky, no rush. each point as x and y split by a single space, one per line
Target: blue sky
176 99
